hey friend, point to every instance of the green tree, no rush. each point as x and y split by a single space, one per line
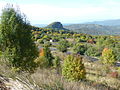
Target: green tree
48 55
16 38
56 64
73 69
93 51
80 48
63 45
117 51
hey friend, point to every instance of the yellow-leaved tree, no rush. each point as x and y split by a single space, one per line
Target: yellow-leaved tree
108 56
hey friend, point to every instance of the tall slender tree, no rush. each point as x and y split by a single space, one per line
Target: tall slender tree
16 38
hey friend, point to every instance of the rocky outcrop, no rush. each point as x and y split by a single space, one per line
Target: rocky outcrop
55 25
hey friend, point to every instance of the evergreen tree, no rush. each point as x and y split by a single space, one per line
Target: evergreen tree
48 55
80 48
16 38
108 56
73 68
63 45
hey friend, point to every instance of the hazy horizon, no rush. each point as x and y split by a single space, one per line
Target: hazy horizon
67 11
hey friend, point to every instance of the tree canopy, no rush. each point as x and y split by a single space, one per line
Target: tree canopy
16 38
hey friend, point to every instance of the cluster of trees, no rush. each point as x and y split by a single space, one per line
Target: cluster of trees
83 44
16 41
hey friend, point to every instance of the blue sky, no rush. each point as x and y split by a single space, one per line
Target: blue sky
67 11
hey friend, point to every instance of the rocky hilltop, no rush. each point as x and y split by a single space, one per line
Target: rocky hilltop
56 25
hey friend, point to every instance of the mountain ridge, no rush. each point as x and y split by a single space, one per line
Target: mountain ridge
111 22
101 28
94 29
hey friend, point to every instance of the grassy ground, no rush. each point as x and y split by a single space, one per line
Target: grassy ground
97 77
100 74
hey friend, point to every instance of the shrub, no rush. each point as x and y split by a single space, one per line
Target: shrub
41 52
80 49
93 51
48 55
73 69
40 41
108 56
41 62
63 45
47 43
56 62
113 74
45 58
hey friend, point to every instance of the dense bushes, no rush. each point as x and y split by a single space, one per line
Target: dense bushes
73 68
80 48
93 51
63 45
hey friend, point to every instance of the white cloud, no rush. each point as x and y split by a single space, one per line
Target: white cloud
39 13
2 3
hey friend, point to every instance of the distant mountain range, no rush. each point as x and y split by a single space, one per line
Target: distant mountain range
45 25
114 22
94 29
107 27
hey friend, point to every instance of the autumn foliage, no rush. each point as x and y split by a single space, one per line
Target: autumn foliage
73 68
108 56
41 52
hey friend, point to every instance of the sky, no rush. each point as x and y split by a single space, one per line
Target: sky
66 11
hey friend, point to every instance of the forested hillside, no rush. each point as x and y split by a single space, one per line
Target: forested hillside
94 29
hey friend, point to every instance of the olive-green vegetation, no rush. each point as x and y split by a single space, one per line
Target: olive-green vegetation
45 59
79 43
93 51
80 48
63 45
16 39
73 68
56 62
108 56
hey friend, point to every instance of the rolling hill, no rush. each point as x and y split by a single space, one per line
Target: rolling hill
94 29
107 27
114 22
56 25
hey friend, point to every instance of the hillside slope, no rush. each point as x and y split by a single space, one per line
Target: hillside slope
114 22
94 29
56 25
